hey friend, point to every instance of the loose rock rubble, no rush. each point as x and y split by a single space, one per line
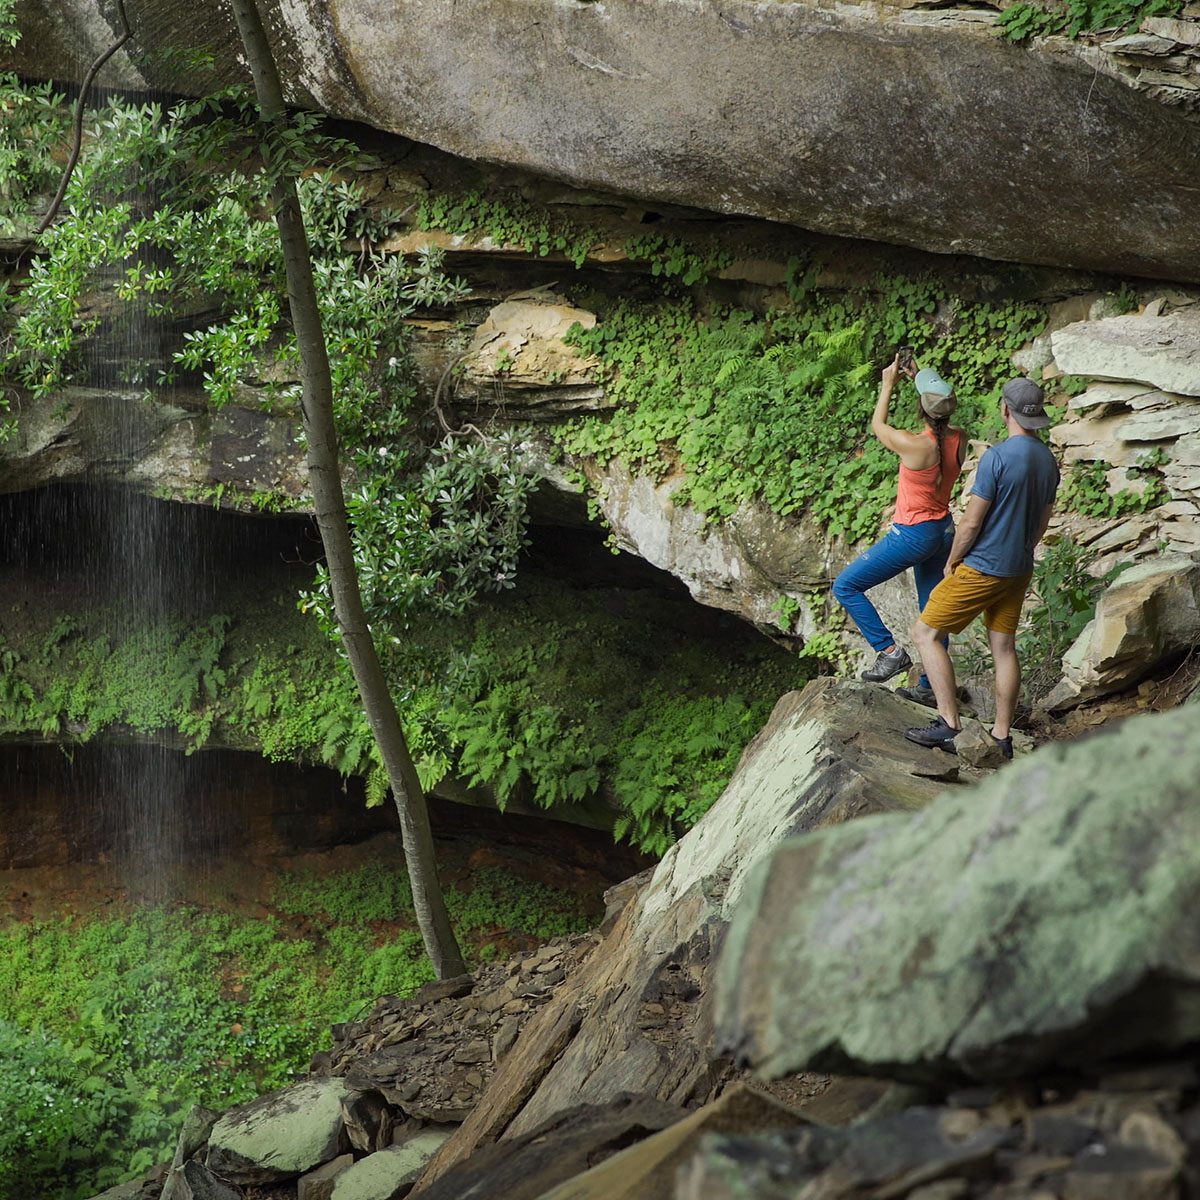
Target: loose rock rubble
429 1057
1132 1135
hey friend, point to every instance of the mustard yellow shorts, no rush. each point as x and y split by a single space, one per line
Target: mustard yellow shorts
961 597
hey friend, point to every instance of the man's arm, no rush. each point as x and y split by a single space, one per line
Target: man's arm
967 531
1044 523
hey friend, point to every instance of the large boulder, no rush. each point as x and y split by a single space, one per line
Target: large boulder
1045 918
945 142
390 1173
1149 616
281 1135
636 1017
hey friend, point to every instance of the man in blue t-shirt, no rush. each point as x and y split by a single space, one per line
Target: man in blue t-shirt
991 564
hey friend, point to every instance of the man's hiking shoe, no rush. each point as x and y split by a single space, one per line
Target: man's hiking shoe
938 736
918 694
1005 744
887 665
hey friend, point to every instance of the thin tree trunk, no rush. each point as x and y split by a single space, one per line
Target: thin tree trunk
326 484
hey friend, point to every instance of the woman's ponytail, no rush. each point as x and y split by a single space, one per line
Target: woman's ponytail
939 426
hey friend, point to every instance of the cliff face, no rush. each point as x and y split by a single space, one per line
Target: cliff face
908 125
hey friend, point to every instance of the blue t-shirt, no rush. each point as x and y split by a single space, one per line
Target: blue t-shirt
1019 476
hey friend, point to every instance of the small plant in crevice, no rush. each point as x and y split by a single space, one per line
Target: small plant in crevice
1087 491
1065 592
1027 19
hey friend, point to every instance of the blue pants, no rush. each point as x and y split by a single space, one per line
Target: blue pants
924 547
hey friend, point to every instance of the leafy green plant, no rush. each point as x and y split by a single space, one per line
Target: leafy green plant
777 407
437 520
676 761
1026 19
1066 593
112 1026
1086 488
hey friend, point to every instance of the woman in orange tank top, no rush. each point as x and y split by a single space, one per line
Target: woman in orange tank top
922 529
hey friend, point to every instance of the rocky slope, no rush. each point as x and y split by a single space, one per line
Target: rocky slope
1028 929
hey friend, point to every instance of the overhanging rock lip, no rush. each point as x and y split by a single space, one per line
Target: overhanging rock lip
764 110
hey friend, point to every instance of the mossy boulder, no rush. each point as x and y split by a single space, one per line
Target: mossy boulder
1046 917
281 1135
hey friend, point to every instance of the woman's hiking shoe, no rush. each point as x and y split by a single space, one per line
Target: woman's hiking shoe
887 665
938 735
918 694
1005 744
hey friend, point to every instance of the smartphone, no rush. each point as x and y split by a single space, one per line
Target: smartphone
905 356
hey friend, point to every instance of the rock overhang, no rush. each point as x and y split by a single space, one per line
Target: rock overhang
915 128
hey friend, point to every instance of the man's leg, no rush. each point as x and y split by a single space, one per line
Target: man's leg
1008 680
935 659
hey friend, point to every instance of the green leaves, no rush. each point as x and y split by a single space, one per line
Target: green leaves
1074 17
677 755
777 407
111 1027
1066 591
1086 488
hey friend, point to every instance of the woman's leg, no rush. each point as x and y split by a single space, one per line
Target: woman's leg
883 561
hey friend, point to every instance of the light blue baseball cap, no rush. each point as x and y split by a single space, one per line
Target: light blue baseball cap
937 396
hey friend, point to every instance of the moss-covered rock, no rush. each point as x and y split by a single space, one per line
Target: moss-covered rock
281 1135
1044 917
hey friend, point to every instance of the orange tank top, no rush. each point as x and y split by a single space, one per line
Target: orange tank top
919 496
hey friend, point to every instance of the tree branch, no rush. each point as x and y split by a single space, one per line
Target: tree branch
77 144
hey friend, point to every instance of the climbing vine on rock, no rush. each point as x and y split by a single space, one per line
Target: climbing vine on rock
776 407
510 218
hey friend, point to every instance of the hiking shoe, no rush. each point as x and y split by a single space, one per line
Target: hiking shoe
1005 744
938 735
887 665
918 694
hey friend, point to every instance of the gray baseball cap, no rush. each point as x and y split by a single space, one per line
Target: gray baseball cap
937 396
1027 403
